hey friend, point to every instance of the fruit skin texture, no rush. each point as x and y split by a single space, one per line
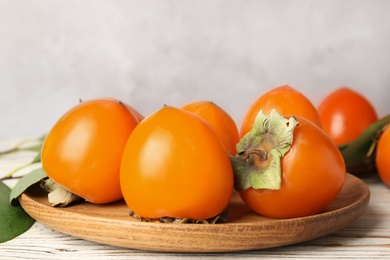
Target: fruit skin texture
83 150
382 160
219 120
175 165
313 173
286 101
345 114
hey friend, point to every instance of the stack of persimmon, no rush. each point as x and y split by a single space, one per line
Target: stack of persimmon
186 162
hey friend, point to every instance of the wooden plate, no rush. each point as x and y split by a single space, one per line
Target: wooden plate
111 224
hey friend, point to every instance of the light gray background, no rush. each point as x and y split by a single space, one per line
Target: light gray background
150 53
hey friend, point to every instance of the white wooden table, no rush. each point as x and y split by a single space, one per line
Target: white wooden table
366 238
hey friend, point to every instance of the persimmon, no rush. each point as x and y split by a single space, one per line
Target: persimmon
287 167
382 156
83 150
345 114
220 121
175 165
286 101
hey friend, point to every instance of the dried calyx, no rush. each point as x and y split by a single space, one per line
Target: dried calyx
258 160
214 220
58 196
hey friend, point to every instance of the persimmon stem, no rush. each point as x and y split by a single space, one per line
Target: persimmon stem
262 154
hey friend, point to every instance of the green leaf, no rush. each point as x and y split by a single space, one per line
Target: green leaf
36 148
21 146
37 158
18 148
14 220
359 149
25 182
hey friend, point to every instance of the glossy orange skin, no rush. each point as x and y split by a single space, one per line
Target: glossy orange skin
345 114
382 156
313 173
219 120
286 101
83 150
175 165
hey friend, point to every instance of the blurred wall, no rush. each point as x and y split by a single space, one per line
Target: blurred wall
149 53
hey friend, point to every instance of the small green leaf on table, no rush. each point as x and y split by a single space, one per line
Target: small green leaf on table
25 182
14 221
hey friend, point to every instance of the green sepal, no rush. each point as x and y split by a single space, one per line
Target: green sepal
270 178
274 130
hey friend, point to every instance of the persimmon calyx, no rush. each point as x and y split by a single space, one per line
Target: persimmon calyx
58 196
222 217
259 153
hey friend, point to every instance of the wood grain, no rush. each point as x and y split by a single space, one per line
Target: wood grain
111 225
